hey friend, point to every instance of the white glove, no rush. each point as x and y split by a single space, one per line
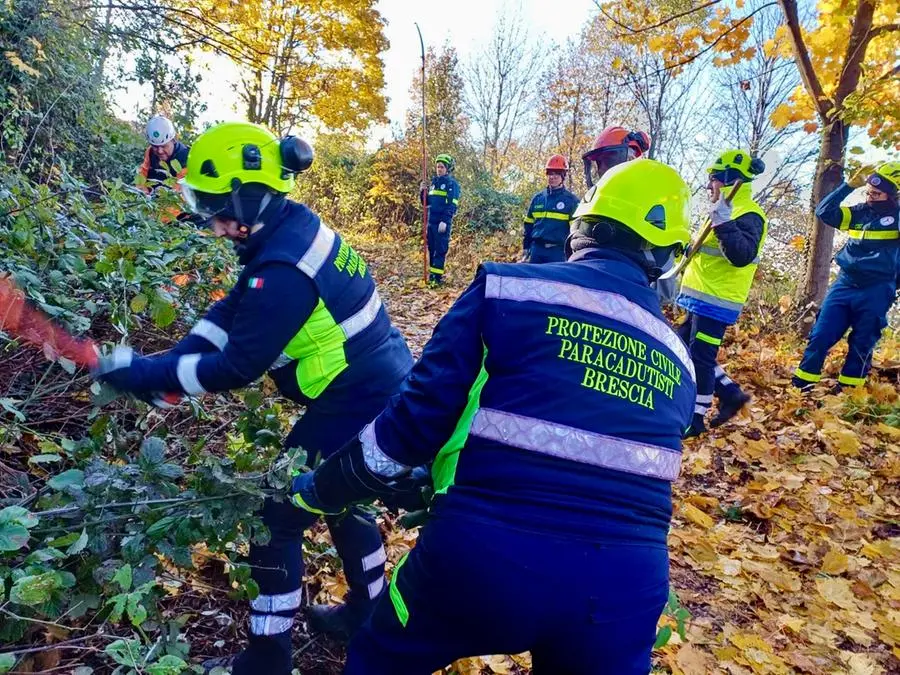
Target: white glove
720 212
442 227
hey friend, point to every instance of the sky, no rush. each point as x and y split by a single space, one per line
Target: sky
464 24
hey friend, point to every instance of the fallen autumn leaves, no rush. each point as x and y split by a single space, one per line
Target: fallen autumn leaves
785 540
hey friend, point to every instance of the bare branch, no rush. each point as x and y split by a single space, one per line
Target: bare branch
668 19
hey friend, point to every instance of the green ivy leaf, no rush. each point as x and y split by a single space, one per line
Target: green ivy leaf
35 589
73 478
162 313
136 611
79 544
161 526
123 577
167 665
118 607
153 450
125 652
663 637
19 515
139 303
13 536
7 661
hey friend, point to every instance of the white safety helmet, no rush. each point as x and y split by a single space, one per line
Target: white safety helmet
160 130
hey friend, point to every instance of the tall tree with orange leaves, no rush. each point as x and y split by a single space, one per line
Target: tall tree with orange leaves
845 53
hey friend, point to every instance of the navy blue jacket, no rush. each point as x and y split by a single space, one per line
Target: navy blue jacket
585 391
242 336
443 199
739 238
872 253
548 217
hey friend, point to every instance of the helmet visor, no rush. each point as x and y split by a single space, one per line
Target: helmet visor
204 208
598 162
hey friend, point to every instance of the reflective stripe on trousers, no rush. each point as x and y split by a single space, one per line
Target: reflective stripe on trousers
577 445
603 303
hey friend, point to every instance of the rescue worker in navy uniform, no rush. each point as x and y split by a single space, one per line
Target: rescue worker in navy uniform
717 282
546 224
165 158
870 275
552 398
442 200
305 309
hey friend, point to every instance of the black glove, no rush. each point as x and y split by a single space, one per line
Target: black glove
341 480
412 492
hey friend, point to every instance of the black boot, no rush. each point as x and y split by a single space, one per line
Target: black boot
802 385
339 622
697 427
729 407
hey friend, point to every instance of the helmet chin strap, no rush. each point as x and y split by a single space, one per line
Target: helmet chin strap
237 208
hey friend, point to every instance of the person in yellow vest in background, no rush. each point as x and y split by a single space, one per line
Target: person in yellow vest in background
717 282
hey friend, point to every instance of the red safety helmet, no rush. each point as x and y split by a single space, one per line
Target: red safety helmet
557 163
612 146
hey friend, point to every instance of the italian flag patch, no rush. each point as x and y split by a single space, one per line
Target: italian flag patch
255 282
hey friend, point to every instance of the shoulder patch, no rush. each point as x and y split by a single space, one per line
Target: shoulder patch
255 282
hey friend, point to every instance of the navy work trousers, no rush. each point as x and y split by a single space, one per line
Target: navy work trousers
278 566
470 588
861 309
541 253
438 245
703 336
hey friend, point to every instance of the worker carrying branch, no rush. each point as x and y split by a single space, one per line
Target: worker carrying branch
868 281
305 310
717 282
552 399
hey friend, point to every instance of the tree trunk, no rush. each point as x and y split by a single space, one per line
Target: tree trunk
820 244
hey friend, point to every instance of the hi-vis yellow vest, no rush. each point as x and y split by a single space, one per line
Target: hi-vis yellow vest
710 278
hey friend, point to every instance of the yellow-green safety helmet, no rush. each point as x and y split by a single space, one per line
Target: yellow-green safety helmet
886 178
645 196
734 164
446 160
236 150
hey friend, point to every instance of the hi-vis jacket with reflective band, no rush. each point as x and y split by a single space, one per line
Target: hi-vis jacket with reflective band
443 199
872 252
548 217
306 309
565 393
153 170
713 286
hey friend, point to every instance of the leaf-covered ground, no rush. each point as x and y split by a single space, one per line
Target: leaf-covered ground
785 542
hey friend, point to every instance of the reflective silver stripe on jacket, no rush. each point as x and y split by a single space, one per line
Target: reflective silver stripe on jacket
718 253
606 304
318 252
378 462
577 445
211 332
357 323
186 370
711 299
310 264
